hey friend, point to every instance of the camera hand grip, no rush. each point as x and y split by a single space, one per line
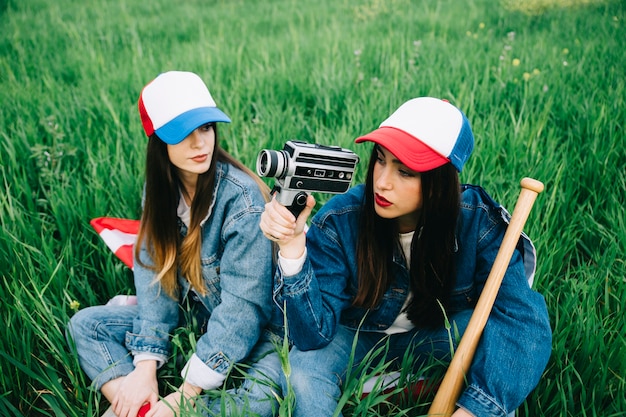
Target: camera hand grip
298 204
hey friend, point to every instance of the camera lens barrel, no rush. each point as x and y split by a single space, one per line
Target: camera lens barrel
270 163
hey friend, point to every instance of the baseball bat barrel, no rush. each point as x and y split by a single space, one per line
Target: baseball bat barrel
448 393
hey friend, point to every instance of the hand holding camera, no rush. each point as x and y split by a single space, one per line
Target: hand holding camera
302 168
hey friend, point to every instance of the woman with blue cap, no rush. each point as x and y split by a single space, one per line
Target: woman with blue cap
392 259
199 246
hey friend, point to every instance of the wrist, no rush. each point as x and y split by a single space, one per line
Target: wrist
146 365
294 248
190 390
188 393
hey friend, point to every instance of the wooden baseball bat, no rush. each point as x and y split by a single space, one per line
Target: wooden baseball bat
450 389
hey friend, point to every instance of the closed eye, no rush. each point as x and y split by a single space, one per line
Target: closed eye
408 173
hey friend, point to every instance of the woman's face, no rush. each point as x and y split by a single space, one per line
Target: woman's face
193 155
397 190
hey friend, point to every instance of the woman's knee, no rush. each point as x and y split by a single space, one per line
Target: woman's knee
315 370
99 323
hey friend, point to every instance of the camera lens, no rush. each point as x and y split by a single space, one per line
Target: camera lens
270 163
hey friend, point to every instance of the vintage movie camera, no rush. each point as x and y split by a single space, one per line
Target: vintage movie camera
301 168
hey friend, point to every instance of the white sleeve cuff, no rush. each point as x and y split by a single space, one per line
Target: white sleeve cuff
199 374
291 266
144 356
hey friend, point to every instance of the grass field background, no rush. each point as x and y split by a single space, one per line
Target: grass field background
541 81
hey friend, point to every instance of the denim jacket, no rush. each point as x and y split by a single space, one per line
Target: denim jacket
237 270
516 341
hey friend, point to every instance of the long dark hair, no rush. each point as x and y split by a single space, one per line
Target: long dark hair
432 269
159 225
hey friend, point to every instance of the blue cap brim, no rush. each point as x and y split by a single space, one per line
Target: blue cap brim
176 130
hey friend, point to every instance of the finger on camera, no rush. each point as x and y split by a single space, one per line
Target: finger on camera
280 233
273 224
274 213
282 214
306 211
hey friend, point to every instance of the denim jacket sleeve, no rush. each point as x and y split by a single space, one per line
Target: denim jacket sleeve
316 296
516 342
312 314
152 326
245 278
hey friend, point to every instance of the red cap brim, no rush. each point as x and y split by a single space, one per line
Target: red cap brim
408 149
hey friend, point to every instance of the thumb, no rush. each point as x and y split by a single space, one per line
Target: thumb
306 212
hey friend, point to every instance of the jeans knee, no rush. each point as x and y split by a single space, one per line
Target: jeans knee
79 327
315 393
307 381
98 324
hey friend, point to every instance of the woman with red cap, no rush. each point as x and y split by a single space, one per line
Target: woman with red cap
391 259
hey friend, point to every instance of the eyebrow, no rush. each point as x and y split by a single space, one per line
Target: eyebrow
394 160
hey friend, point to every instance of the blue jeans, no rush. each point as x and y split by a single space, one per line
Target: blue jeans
99 334
317 375
257 395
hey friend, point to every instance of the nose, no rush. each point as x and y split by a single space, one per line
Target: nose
383 180
196 140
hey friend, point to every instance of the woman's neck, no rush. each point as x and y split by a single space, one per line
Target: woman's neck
188 196
188 182
408 223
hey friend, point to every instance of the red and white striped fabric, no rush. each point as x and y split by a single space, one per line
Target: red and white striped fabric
119 235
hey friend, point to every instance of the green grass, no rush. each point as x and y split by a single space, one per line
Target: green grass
543 85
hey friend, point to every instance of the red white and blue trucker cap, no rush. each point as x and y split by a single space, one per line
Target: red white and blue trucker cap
176 103
425 133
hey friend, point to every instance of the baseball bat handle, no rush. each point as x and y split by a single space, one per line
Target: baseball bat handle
448 392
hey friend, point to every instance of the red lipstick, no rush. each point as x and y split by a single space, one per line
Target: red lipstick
381 201
200 158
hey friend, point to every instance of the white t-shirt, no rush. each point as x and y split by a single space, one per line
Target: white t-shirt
402 323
